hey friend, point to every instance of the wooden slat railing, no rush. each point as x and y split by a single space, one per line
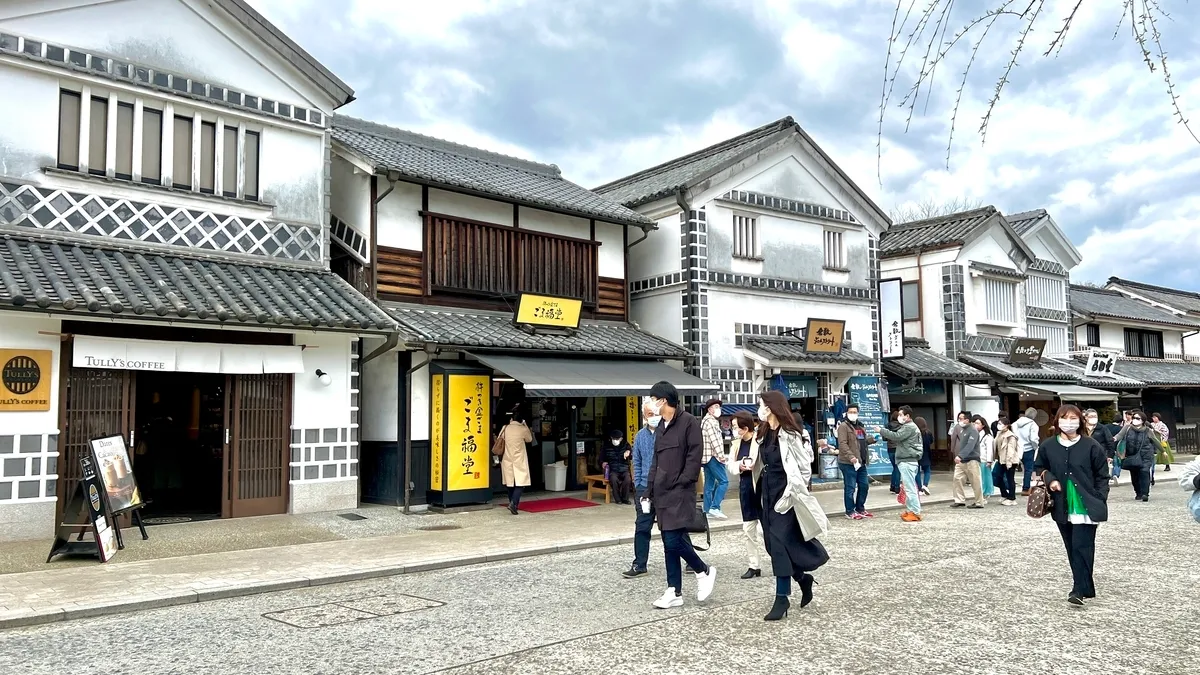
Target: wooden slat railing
399 272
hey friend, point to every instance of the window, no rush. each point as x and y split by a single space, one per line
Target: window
1046 292
1055 337
835 257
98 136
1093 334
229 162
251 155
1000 300
745 237
1147 344
69 103
181 165
124 160
208 157
910 296
152 130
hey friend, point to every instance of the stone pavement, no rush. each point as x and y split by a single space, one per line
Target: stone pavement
78 591
971 592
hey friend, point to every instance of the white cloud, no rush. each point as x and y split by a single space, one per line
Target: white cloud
437 24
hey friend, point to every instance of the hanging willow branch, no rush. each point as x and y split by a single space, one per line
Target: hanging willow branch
923 31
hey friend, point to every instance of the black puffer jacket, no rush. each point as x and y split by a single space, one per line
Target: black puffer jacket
1103 435
614 455
1140 443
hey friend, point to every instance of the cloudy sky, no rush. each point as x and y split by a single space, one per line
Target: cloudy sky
604 88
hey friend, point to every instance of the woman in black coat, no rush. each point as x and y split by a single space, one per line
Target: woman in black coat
1141 449
1101 433
1075 468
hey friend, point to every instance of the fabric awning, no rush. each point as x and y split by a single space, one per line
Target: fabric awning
1067 392
550 377
189 357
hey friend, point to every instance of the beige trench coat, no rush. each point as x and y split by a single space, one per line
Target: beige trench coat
514 465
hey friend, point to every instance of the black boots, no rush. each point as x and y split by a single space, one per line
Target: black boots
806 589
779 610
751 573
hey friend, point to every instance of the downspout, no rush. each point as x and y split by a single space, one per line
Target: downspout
408 481
392 177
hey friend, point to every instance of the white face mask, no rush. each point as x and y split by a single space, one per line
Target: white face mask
1001 427
1093 421
653 420
1137 422
853 417
763 412
962 423
1068 426
616 442
902 420
715 411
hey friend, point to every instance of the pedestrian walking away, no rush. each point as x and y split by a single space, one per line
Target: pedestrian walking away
1141 450
925 474
1102 434
1029 436
908 458
616 466
514 463
1075 469
745 456
792 519
672 492
1008 456
716 476
966 464
643 457
987 456
853 458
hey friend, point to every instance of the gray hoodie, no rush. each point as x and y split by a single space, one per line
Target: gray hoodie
968 444
1027 433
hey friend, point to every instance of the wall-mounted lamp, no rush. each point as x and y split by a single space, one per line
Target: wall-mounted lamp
324 378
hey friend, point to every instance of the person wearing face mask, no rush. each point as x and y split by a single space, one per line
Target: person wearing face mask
853 457
716 476
1141 448
1008 456
616 466
745 454
908 457
1075 469
643 457
1101 434
966 464
1029 436
987 456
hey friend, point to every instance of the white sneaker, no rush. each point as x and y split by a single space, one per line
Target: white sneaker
669 599
718 514
705 583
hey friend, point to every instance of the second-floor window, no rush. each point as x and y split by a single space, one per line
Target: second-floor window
1000 300
910 296
1046 292
1147 344
835 252
1093 334
745 237
193 157
1055 337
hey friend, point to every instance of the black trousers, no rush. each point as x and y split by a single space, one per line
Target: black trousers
1140 478
621 484
1080 541
514 495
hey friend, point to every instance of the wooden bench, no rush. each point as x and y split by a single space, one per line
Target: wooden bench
597 482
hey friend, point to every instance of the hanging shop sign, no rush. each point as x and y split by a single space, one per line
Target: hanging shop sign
545 310
916 388
872 412
795 386
633 417
190 357
1026 351
824 336
1101 364
25 376
891 319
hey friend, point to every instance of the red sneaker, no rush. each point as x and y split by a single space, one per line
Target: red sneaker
866 514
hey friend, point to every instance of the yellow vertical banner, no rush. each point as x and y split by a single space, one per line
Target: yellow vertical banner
633 417
437 435
468 428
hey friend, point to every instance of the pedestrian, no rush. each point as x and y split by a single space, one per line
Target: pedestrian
1008 456
514 464
751 502
853 458
1165 456
893 425
987 456
716 476
908 458
1103 435
678 448
1189 480
792 519
925 474
1075 469
1029 435
643 458
1141 449
616 466
966 464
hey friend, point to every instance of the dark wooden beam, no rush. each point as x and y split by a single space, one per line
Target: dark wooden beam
516 216
373 279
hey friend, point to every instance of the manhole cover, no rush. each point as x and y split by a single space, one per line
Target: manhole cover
440 528
347 611
351 516
166 520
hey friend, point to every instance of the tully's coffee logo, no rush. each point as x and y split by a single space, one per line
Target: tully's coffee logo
94 498
21 375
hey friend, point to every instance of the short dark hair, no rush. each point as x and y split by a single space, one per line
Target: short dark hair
1002 419
852 405
1158 415
964 413
907 410
666 391
1067 409
616 433
987 431
711 402
743 420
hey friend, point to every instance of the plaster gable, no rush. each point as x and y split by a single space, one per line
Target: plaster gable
791 179
1057 247
995 247
189 37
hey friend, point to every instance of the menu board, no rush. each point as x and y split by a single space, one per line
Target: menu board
865 391
116 473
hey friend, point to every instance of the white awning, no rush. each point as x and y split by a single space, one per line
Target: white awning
190 357
1065 392
586 377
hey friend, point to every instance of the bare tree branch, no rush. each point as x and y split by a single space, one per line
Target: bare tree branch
932 208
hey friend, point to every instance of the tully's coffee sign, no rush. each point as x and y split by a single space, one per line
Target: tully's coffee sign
824 336
1026 351
545 310
25 376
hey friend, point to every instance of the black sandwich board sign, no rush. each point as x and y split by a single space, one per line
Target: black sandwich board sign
106 491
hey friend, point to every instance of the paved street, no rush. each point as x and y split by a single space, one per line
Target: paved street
963 592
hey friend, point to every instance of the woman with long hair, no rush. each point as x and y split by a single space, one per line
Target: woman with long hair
1075 469
987 456
1008 456
792 520
925 470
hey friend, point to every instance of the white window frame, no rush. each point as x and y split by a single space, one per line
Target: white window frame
1046 292
747 239
834 248
1042 330
992 289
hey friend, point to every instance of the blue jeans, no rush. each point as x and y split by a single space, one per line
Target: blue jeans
924 474
783 585
642 529
987 476
908 478
1027 465
895 471
716 483
677 546
1116 472
852 482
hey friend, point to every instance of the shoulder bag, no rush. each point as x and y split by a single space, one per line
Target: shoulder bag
498 444
1040 502
700 524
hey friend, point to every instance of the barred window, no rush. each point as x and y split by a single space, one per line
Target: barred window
745 237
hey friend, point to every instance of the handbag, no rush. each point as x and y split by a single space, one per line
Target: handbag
902 497
700 524
498 444
1040 502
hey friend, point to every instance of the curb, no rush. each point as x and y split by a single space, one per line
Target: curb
175 598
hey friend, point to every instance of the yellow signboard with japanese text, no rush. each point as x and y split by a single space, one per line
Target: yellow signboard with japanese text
824 336
25 376
633 416
468 431
544 310
437 435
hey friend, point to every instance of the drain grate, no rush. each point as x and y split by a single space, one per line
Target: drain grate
439 528
348 611
351 516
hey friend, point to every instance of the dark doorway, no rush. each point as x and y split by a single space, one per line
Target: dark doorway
180 443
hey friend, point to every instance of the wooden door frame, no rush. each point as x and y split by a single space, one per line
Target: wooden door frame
233 417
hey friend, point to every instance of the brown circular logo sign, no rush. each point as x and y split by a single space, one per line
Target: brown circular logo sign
21 375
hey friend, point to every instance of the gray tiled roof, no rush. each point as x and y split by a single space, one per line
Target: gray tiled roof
1024 221
953 229
50 276
792 350
997 270
920 361
1161 373
455 166
1186 300
1096 302
495 330
1076 367
1039 372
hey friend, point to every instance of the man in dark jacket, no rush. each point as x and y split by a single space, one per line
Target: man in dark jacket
616 466
853 458
672 490
966 464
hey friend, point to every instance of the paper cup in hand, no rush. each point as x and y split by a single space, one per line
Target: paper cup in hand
645 506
